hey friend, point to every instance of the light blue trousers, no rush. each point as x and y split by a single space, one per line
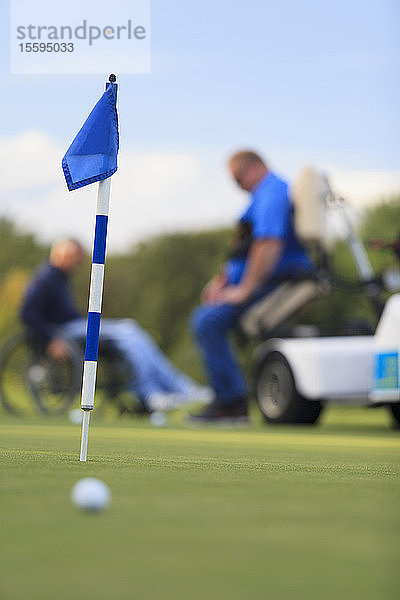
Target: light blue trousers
153 372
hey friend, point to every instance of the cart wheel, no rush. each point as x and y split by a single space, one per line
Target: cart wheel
277 396
395 410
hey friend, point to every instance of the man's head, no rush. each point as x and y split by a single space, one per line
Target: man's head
66 254
247 169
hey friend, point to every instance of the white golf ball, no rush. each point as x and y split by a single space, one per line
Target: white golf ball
75 416
91 494
158 418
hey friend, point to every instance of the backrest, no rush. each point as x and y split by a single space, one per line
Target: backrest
309 194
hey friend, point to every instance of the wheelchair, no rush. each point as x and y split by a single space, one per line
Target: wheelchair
31 380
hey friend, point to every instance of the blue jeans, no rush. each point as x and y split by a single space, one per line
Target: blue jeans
153 372
211 325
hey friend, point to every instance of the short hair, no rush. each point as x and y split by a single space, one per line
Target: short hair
244 158
65 245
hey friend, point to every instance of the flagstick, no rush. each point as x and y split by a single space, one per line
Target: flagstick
94 310
85 435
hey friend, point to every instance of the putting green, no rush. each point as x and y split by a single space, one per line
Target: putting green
262 512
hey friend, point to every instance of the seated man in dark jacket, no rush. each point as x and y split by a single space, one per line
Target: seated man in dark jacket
49 310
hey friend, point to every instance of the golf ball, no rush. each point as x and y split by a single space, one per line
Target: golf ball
75 416
91 494
158 418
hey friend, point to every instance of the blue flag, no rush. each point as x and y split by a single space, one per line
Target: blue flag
92 156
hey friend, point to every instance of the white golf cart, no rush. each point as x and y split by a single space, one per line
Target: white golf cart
296 376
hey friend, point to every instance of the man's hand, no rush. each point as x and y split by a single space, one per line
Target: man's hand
210 291
58 349
232 294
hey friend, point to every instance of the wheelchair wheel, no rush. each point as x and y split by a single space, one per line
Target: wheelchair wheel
28 374
114 375
277 396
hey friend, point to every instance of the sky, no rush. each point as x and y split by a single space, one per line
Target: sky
307 82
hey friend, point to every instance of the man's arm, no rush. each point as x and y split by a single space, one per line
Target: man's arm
34 313
33 310
263 257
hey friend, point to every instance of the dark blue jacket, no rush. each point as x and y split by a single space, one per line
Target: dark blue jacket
48 302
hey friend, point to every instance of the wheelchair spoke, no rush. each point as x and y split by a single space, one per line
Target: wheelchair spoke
15 361
55 384
30 380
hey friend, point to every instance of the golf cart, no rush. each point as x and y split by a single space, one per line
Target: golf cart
295 377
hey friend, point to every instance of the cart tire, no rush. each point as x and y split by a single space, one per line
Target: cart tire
277 397
395 410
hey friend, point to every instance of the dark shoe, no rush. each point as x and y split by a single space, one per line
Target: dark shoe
222 413
138 410
141 410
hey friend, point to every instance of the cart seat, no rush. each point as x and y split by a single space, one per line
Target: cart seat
267 314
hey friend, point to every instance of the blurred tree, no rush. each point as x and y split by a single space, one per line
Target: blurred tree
158 282
11 290
382 221
20 253
342 306
18 248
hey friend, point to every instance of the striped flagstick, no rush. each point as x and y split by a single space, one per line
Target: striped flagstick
92 156
94 311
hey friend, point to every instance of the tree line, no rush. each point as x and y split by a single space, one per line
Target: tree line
158 282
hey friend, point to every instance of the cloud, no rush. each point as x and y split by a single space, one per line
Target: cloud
28 160
152 192
364 188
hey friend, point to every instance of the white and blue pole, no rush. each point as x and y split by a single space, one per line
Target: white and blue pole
94 310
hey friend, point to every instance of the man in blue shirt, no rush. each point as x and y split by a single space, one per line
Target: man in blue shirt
265 250
49 310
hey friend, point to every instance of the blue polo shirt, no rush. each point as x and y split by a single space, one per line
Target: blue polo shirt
270 216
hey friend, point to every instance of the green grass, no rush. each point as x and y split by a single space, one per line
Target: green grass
262 512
